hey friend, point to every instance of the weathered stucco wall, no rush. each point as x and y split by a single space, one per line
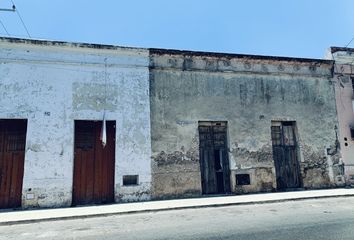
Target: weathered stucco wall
343 75
248 92
52 84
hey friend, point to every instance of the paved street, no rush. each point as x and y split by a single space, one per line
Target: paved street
331 218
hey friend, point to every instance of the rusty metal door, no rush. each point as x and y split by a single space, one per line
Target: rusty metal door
285 156
12 157
214 161
93 164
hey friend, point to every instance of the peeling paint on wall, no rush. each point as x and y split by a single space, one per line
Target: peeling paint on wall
248 92
53 84
93 96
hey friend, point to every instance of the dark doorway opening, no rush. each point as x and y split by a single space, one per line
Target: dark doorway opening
94 164
214 161
12 157
285 155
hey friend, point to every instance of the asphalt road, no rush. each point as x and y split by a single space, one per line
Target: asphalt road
331 218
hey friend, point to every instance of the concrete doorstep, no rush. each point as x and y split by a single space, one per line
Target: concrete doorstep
29 216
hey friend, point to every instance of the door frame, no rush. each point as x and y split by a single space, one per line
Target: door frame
96 138
223 153
17 198
297 175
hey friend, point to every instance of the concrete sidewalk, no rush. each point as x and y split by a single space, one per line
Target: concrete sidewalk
28 216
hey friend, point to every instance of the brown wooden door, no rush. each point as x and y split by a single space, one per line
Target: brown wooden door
285 157
214 162
12 156
93 164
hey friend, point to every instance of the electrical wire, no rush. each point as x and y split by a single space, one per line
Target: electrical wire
349 42
8 34
19 15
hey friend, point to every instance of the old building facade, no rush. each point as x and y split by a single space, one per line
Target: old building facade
344 87
86 124
54 157
236 123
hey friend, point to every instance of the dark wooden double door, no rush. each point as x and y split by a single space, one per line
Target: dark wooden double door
285 155
12 156
94 163
214 162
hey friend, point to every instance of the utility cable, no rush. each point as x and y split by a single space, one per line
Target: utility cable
19 15
349 42
4 28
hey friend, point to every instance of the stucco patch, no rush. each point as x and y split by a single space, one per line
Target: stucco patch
94 96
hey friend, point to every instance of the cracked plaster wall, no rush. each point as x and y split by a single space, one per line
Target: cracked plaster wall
51 86
248 93
343 74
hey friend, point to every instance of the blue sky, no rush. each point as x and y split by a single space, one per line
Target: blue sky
295 28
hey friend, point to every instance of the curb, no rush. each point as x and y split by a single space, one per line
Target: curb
212 205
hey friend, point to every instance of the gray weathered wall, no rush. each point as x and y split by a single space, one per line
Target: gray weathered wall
248 92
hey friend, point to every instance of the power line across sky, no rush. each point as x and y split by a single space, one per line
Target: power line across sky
283 28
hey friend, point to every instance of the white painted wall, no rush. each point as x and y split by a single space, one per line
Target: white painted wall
67 82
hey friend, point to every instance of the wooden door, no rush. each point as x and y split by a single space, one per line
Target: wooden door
214 162
285 157
93 163
12 156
